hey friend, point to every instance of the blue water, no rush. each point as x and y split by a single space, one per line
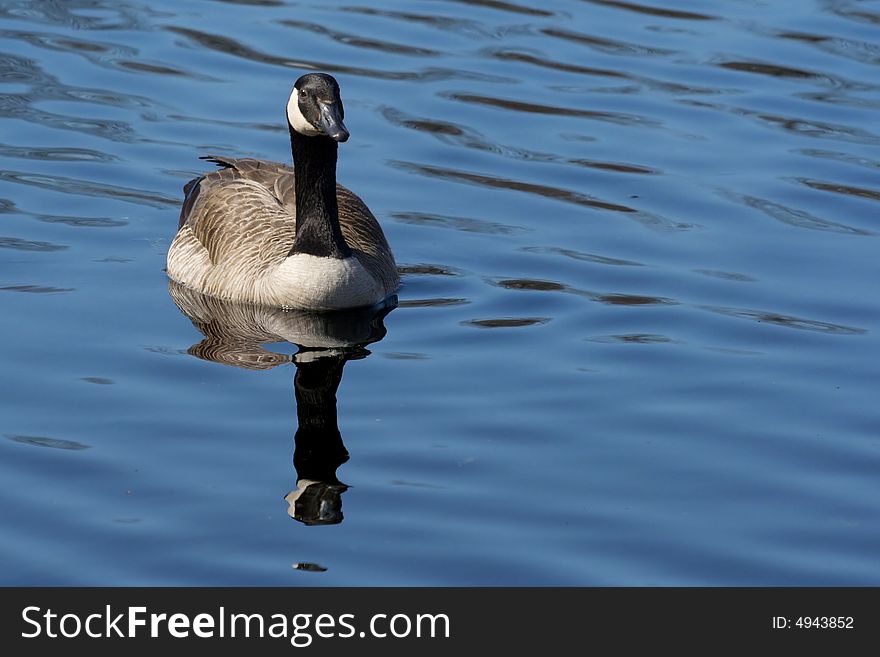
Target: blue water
636 341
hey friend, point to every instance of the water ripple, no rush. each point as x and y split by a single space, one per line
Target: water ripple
55 154
508 54
506 322
786 321
20 108
792 216
254 3
239 125
796 125
67 185
461 26
452 133
36 289
484 180
530 284
45 87
103 54
464 224
860 51
150 68
79 222
229 46
839 156
568 196
110 15
98 380
506 6
95 51
48 87
633 338
361 41
29 245
605 45
838 188
617 167
845 9
44 441
633 300
433 303
726 275
613 299
537 108
427 270
578 255
654 11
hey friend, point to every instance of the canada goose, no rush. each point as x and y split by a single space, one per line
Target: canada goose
261 232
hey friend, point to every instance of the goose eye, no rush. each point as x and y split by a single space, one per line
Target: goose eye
302 93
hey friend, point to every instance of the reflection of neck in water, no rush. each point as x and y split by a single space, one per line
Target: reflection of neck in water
319 450
235 334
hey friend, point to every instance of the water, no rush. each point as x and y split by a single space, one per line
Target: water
636 342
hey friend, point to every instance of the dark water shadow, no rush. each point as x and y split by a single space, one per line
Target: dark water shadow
510 7
794 216
653 10
463 224
45 441
464 27
505 322
794 124
67 185
237 334
619 118
839 156
360 41
9 207
840 188
787 321
606 45
457 134
29 245
547 191
856 50
36 289
633 338
579 255
608 298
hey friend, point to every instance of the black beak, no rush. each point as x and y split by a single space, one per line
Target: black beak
330 121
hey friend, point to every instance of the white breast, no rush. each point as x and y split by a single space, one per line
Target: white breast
307 281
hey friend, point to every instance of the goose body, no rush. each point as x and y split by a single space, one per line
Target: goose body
265 233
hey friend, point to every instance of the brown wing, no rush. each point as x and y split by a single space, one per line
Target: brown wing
364 236
236 214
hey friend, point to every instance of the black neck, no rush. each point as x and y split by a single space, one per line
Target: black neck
319 447
317 213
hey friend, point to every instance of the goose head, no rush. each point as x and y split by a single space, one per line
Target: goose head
315 107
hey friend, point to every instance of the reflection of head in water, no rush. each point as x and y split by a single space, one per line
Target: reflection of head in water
316 502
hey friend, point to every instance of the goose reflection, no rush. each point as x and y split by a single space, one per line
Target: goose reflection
235 334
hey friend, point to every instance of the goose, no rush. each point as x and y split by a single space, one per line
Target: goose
262 232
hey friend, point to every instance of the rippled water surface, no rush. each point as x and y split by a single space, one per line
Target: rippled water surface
636 341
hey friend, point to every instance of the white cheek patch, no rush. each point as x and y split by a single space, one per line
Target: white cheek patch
296 118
